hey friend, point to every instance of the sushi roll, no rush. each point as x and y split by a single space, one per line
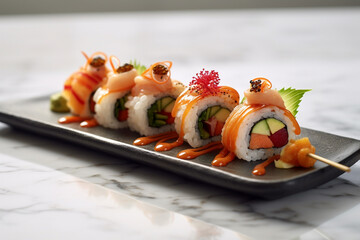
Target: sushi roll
201 111
110 99
261 126
152 100
80 87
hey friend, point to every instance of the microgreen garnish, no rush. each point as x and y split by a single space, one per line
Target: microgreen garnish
138 66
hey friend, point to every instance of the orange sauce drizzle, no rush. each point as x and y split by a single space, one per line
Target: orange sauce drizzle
89 123
72 119
188 99
108 91
142 141
287 113
162 146
223 158
195 152
233 124
259 169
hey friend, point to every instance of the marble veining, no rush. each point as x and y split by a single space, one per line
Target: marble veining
45 203
85 193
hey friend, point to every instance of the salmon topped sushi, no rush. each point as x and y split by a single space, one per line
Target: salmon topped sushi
110 99
201 111
80 87
261 126
152 100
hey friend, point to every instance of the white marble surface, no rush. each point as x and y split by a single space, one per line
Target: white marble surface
43 199
51 187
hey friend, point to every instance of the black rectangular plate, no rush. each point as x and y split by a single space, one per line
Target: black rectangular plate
34 115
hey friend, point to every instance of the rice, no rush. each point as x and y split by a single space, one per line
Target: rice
104 111
243 137
190 127
138 120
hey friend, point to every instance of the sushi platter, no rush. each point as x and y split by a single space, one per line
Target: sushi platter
33 115
203 130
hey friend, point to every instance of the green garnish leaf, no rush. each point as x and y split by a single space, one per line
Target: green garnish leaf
138 66
243 100
292 98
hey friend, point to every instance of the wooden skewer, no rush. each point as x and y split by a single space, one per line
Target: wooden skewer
331 163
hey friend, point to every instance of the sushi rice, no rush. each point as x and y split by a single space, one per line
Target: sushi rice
138 119
243 136
190 128
104 111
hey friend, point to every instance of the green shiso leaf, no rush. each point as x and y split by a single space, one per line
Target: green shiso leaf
138 66
292 98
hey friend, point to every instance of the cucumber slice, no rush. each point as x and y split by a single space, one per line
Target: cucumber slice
122 103
154 117
151 116
202 116
158 105
207 113
204 134
160 116
159 123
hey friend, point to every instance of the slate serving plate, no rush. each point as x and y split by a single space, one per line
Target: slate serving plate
34 115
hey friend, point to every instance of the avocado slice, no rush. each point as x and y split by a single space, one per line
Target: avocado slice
274 125
165 101
169 107
261 128
214 110
222 114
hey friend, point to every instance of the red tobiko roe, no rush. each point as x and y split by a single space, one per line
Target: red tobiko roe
205 82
